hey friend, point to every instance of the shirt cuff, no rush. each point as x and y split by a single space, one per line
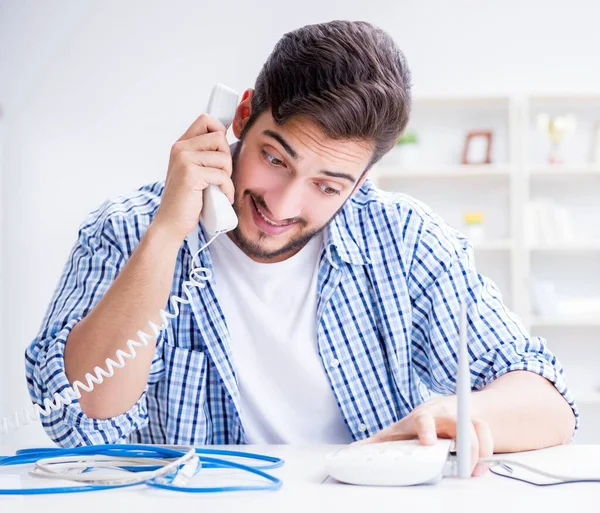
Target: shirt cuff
548 371
69 426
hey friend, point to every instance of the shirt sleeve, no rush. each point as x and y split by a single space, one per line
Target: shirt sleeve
94 262
442 275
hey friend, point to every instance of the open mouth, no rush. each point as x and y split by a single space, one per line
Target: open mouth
267 220
265 223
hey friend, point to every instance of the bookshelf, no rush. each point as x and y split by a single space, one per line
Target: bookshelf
438 177
516 257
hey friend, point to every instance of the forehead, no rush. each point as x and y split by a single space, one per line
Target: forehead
310 142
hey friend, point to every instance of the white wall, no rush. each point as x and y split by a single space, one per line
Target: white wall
95 93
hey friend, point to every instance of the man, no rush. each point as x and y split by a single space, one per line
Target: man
331 311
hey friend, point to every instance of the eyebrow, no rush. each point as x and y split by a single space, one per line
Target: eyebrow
294 155
335 174
281 141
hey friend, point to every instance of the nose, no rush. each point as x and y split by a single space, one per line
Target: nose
285 201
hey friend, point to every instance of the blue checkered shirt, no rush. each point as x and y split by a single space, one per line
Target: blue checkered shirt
391 276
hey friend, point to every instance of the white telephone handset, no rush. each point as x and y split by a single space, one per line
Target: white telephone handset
217 214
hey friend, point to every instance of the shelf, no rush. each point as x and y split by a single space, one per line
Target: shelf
567 247
566 322
448 100
565 171
564 97
459 171
494 245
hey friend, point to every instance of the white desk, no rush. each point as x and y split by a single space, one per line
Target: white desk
306 487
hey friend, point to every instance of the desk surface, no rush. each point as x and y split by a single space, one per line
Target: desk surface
306 487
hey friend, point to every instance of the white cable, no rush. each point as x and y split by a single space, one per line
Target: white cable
558 477
198 277
63 467
451 470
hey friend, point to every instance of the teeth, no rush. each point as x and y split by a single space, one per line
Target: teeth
267 220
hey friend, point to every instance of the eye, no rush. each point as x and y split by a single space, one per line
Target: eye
274 161
328 191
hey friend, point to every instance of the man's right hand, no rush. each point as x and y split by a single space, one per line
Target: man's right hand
199 158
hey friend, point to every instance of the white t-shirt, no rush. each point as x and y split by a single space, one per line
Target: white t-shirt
271 311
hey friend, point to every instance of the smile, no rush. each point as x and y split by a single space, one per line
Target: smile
266 219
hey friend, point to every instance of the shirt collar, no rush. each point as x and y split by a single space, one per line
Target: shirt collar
339 240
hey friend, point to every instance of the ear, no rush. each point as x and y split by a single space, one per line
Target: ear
242 112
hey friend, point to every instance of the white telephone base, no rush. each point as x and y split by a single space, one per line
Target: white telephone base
399 463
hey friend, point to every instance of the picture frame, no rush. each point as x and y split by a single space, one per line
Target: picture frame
478 147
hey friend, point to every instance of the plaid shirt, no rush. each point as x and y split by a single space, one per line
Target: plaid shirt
390 280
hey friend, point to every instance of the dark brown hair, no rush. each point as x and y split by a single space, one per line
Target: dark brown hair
349 77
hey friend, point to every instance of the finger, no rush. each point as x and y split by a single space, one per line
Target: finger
219 177
215 159
425 428
215 141
421 426
396 431
474 448
446 427
202 125
486 446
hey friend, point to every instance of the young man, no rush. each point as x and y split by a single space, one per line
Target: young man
331 312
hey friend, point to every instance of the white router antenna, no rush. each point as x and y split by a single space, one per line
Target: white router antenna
463 400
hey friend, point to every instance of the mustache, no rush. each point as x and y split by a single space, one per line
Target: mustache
260 202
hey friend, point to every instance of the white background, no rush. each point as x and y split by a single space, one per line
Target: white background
93 94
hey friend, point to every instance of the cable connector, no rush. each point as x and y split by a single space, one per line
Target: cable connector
187 471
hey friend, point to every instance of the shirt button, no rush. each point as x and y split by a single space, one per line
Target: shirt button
334 364
362 428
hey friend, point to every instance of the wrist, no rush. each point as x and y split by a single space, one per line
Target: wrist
163 235
446 405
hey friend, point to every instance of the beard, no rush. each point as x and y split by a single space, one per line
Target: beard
255 248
